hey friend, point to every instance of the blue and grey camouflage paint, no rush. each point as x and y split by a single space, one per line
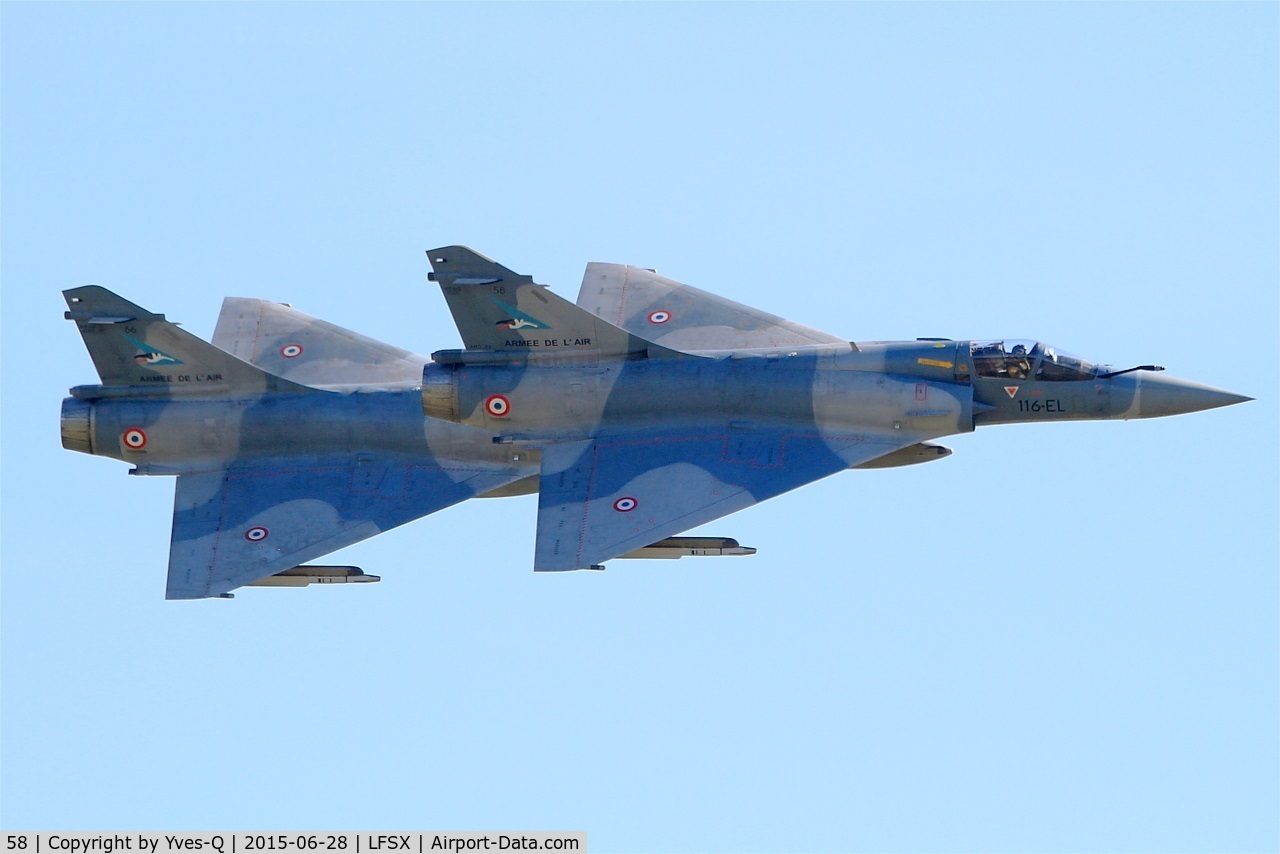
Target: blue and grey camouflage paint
645 409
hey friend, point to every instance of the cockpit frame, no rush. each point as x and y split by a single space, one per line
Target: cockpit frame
1015 360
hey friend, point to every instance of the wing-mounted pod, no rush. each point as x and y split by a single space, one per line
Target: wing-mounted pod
302 576
673 548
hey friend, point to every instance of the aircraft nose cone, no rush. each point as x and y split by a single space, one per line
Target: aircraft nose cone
1162 395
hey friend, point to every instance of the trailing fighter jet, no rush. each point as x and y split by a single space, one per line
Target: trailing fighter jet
646 409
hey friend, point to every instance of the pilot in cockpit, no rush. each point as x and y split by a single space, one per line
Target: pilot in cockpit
1019 367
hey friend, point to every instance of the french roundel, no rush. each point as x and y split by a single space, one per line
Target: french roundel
135 438
497 406
625 504
256 534
291 351
659 316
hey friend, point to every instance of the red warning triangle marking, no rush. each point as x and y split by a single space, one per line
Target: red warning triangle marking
1011 390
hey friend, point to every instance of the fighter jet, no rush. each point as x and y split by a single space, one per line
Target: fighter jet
646 409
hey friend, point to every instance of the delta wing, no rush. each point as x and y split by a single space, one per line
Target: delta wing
233 527
290 344
604 497
687 319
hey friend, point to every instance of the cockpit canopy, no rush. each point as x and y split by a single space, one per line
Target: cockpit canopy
1021 360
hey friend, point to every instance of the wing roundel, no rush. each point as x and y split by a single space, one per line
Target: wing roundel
602 498
250 521
684 318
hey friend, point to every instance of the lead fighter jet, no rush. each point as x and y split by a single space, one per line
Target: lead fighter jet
646 409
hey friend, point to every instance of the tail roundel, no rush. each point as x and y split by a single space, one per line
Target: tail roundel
496 309
134 348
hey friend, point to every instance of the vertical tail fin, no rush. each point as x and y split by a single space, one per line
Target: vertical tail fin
497 309
131 346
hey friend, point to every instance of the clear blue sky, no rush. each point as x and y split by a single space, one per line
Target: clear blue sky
1062 638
